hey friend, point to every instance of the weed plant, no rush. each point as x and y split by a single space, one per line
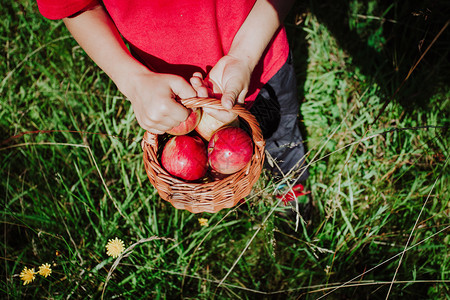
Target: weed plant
378 149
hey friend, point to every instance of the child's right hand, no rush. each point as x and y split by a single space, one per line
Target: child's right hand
154 100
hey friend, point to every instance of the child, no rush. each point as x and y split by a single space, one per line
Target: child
235 50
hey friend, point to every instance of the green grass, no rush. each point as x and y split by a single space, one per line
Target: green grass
379 174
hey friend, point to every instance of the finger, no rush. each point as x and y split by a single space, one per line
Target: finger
231 94
170 112
199 85
221 115
228 99
182 89
242 95
234 92
198 74
160 127
154 131
202 92
196 82
161 124
215 87
168 123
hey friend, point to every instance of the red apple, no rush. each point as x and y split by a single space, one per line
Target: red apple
229 150
208 125
189 124
185 157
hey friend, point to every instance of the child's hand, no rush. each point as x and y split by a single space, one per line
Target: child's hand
152 95
228 81
153 98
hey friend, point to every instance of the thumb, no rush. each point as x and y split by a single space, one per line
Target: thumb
230 95
228 100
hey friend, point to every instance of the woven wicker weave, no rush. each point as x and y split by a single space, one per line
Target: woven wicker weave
211 196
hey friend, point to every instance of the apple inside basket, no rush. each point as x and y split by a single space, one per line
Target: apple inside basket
220 182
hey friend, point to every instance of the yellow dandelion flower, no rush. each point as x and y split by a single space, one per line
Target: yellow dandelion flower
203 222
45 270
27 275
115 247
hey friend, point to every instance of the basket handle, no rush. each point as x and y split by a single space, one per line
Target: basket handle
214 103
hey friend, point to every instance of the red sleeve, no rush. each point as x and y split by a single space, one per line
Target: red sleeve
57 9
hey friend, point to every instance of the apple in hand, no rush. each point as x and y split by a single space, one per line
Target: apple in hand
195 114
208 125
185 157
229 150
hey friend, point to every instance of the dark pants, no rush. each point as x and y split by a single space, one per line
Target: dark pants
276 108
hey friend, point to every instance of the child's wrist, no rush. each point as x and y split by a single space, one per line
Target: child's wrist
126 80
248 59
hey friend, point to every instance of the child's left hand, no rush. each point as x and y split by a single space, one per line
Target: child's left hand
227 81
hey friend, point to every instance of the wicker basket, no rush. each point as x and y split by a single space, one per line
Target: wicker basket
211 196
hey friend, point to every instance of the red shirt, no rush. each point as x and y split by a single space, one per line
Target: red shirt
181 37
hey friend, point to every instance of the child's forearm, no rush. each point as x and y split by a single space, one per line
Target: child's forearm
258 29
97 35
152 95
